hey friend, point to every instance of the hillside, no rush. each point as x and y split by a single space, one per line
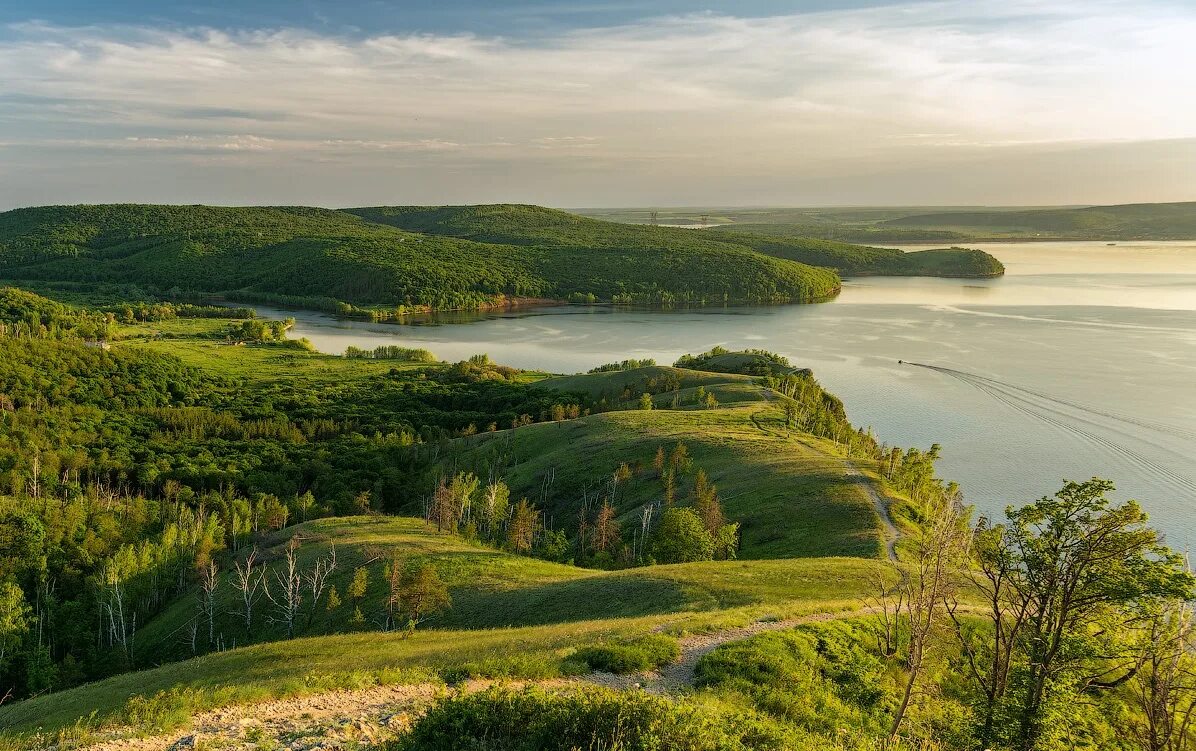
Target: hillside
1144 221
534 225
791 495
926 224
324 258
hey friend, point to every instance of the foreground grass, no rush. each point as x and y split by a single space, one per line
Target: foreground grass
722 595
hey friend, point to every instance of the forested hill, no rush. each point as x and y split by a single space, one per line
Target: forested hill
319 257
536 225
400 259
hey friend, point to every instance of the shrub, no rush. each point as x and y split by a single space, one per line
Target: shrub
681 538
503 719
634 656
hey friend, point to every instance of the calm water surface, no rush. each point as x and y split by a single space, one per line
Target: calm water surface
1081 361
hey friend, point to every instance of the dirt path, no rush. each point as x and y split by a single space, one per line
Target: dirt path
882 510
333 720
367 718
679 675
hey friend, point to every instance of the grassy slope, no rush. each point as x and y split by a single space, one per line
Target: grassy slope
320 253
790 493
573 607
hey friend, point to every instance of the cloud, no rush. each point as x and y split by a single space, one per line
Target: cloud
698 95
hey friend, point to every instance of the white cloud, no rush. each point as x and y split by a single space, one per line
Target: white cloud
698 95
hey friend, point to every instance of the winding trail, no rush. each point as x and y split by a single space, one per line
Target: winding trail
882 510
679 676
369 717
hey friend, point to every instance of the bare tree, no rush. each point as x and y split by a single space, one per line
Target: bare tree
938 548
289 597
121 617
209 581
889 602
1163 684
989 655
316 579
249 579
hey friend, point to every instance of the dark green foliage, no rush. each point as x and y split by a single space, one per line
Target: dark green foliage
336 260
758 362
50 373
633 656
866 234
502 719
126 455
391 352
681 538
614 367
26 315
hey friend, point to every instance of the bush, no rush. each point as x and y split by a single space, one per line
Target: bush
634 656
502 719
681 538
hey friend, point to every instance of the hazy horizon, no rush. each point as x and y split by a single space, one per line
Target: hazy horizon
599 105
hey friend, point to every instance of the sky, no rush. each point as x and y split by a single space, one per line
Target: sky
593 103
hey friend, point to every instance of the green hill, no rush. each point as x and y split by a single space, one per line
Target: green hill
317 257
848 259
790 492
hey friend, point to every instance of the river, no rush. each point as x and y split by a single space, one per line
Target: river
1081 361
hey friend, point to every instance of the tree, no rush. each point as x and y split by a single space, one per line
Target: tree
606 529
521 533
938 549
1163 687
706 504
288 598
393 573
679 460
726 542
209 581
316 578
496 505
248 579
14 619
645 401
658 461
1066 564
680 537
334 599
359 585
305 503
424 594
